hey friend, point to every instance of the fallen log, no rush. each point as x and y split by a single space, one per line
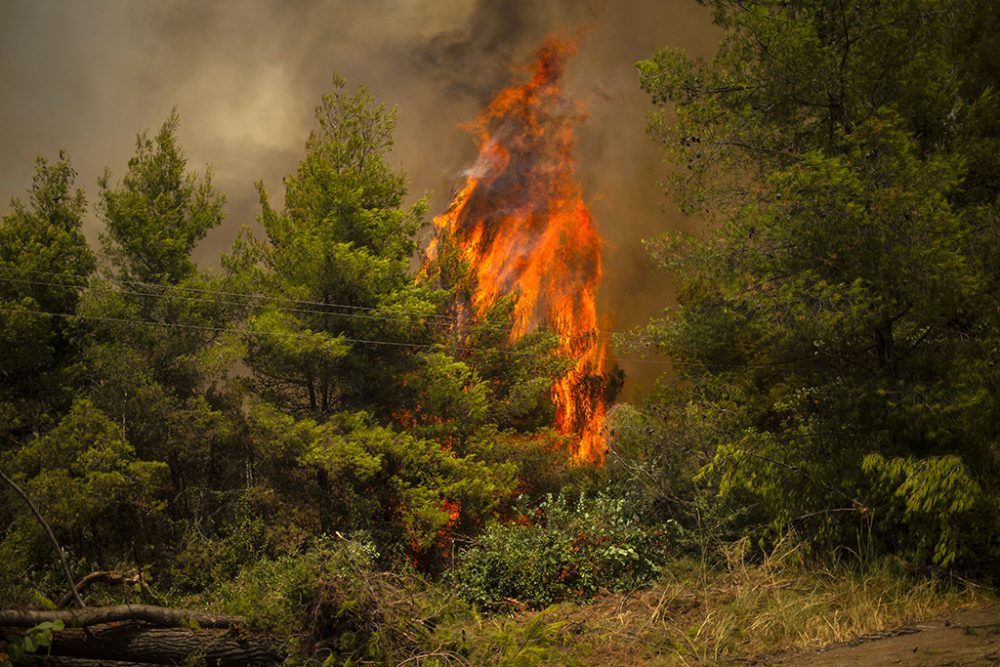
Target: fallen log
137 643
35 660
81 618
145 634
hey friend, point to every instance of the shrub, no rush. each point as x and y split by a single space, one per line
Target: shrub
328 603
561 550
933 509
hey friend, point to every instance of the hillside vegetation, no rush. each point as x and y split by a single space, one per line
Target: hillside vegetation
308 437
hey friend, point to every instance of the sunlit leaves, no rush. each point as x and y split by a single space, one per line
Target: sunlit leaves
160 210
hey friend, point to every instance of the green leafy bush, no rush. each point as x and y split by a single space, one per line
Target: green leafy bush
93 490
562 550
330 604
31 641
946 516
279 595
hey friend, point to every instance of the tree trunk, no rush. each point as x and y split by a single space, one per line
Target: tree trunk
138 643
41 660
167 616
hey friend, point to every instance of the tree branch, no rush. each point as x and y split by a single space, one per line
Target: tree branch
48 529
112 578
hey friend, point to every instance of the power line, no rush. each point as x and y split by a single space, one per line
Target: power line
382 315
204 327
153 295
84 282
792 364
263 333
428 346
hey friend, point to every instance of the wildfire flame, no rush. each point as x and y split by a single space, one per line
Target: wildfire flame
521 224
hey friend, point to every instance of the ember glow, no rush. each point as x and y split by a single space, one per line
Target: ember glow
522 226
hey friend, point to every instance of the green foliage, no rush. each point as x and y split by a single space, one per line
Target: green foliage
450 401
92 489
281 595
342 246
541 462
789 77
841 311
42 249
561 550
525 644
329 605
946 514
154 219
202 561
345 185
31 641
364 414
350 473
811 344
153 358
43 259
518 374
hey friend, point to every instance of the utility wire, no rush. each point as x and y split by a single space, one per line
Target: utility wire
365 313
263 333
198 290
382 315
205 327
427 346
161 296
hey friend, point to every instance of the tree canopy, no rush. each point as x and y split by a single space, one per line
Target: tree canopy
325 437
836 324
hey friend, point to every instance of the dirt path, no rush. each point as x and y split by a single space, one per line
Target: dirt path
966 638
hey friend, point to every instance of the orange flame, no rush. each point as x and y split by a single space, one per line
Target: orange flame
521 224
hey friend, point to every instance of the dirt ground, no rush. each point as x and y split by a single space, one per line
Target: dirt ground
966 638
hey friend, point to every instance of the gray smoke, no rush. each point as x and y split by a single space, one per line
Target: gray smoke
245 76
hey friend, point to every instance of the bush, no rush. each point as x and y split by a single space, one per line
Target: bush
94 491
561 550
932 510
328 603
279 595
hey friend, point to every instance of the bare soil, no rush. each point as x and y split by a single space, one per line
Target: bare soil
966 638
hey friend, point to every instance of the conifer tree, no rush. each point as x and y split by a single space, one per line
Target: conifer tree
837 325
44 264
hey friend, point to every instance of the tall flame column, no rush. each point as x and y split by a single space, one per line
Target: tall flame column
522 226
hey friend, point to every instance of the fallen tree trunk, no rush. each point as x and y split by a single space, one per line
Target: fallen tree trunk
164 646
35 660
81 618
146 634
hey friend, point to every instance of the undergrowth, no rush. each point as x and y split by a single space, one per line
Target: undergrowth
561 550
332 608
750 606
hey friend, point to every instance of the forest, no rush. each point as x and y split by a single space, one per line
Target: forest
346 447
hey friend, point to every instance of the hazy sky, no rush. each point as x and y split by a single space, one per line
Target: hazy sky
245 76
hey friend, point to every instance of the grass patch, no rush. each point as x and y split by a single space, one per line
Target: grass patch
744 608
333 609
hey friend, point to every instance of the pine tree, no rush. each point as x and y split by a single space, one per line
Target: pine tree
836 327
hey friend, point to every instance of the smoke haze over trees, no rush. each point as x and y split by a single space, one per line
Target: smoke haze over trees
83 77
238 377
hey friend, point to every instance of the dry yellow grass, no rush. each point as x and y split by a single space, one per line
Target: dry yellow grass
744 609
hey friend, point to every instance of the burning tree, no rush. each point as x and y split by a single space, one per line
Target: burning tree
522 229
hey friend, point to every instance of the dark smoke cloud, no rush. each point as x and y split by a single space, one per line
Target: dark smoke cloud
477 58
245 76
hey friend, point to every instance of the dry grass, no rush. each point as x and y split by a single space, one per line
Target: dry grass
744 610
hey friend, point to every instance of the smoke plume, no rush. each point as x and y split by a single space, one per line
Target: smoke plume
245 76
